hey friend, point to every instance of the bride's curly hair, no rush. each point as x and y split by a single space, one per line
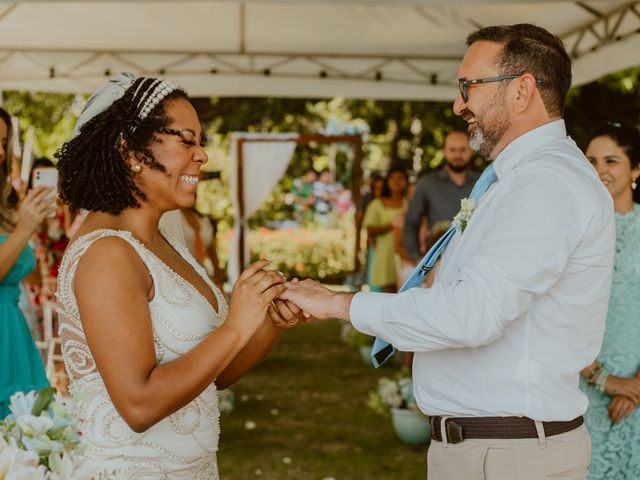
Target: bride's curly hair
94 174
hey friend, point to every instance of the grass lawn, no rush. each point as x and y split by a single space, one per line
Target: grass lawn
307 404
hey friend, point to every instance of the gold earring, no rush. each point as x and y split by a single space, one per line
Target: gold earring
137 168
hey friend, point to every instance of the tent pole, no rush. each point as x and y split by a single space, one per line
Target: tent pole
240 177
357 173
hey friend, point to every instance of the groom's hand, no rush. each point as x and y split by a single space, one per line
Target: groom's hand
316 300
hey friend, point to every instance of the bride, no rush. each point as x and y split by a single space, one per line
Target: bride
147 339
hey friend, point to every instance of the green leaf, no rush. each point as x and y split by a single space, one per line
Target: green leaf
42 401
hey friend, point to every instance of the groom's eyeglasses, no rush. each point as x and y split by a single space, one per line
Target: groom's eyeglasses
463 85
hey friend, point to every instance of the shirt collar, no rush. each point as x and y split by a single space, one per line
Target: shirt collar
518 149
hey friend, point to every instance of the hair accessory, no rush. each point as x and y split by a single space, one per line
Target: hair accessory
158 91
104 97
114 89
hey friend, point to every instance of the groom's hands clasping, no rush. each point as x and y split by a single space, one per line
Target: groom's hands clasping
317 301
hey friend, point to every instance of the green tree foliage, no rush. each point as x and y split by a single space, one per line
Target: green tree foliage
399 132
52 116
616 97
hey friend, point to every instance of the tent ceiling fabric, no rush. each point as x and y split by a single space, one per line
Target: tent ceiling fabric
399 49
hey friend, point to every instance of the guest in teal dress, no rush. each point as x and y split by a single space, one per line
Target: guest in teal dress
20 365
612 383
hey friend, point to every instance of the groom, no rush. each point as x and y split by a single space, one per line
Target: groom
518 306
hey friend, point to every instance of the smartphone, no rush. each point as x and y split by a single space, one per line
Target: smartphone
46 177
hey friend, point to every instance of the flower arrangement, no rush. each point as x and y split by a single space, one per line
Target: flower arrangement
39 439
226 400
393 393
323 254
353 337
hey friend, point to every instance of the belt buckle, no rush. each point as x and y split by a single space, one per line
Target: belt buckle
454 432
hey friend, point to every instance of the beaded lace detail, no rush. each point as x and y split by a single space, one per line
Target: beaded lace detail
616 448
183 445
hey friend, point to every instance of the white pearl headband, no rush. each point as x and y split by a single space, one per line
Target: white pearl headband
155 95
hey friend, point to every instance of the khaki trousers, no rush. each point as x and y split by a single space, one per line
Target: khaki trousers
565 456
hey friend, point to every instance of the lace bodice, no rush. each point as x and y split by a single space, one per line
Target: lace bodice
182 445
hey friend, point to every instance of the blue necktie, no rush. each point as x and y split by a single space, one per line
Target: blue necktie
382 350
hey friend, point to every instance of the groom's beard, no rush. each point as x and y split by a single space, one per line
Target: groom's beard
489 131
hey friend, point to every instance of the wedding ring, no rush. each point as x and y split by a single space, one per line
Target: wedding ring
295 321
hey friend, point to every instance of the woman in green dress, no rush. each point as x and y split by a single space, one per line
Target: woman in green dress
20 364
612 382
378 220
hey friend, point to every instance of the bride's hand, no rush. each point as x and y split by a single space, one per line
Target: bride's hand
252 295
285 314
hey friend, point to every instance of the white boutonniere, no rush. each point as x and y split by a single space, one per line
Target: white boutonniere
467 206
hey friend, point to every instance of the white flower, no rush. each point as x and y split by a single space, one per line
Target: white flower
63 470
388 391
32 426
26 440
42 445
225 401
467 206
22 404
18 464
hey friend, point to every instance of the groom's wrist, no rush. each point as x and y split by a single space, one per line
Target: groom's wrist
341 304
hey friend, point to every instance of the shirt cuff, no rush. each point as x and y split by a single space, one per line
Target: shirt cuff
365 312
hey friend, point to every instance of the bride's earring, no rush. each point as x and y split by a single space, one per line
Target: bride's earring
137 168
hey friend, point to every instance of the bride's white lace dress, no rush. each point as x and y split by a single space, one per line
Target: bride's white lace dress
183 445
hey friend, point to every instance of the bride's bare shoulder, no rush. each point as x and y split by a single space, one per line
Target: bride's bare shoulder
110 261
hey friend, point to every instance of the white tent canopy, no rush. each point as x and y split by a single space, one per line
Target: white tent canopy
357 48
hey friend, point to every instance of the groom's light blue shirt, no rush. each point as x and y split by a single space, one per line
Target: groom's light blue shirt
519 302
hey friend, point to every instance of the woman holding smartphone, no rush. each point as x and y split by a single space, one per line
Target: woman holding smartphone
20 365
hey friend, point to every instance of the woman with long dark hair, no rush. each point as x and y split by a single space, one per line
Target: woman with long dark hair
20 364
612 382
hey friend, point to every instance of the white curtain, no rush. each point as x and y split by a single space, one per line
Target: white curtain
264 164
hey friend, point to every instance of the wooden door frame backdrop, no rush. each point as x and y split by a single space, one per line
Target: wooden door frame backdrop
355 140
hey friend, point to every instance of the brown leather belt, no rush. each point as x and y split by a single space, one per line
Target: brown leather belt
462 428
